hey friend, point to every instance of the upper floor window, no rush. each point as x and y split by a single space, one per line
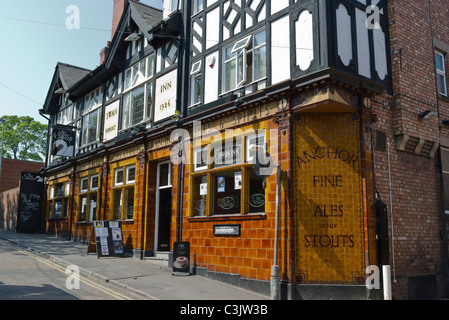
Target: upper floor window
138 95
441 73
198 5
65 116
92 117
245 61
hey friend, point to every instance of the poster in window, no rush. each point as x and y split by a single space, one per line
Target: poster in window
238 180
221 182
203 189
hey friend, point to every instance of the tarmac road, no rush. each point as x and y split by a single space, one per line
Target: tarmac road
27 276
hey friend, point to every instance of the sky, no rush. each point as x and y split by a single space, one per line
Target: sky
35 36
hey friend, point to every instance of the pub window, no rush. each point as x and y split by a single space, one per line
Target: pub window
88 199
195 84
441 73
123 193
91 125
198 5
58 200
445 173
138 95
227 185
245 62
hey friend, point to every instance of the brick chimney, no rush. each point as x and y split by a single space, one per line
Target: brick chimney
119 7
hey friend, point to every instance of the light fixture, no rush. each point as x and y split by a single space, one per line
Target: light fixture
133 37
427 115
60 91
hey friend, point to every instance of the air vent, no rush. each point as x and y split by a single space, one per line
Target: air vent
380 140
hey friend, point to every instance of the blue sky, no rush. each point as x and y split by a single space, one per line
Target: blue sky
34 38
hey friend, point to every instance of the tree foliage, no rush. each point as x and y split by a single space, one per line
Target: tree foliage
25 138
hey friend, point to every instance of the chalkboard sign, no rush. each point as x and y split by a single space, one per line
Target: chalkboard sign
29 218
108 239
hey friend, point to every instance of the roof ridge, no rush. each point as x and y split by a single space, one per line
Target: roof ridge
72 66
146 5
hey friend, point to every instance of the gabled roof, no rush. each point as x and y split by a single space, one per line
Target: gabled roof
71 74
64 77
145 17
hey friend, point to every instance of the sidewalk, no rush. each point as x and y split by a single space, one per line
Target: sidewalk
151 279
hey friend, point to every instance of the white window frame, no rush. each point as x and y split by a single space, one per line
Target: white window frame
197 168
240 54
194 73
91 182
441 72
117 184
169 176
135 78
249 145
127 175
86 138
81 184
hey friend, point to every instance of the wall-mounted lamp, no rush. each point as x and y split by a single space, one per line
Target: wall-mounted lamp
60 91
133 37
426 115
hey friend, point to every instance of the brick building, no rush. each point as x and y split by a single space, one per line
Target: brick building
11 169
341 95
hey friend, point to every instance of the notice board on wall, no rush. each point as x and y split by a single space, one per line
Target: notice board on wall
30 202
107 239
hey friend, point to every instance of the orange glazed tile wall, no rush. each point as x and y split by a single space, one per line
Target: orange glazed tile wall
328 196
251 254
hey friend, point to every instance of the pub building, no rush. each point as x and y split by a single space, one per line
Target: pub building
179 132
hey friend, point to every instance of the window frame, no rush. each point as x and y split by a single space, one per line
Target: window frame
441 72
137 79
54 198
123 190
237 54
242 167
89 194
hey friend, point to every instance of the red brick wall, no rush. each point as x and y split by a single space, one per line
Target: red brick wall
11 169
9 202
415 217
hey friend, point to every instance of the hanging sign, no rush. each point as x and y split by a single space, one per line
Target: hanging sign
63 141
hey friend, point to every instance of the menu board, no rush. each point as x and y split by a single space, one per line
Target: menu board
108 239
30 202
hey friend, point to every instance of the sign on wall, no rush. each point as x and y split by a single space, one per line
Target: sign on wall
111 115
63 141
165 96
328 200
30 202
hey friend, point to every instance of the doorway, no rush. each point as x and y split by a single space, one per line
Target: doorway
163 207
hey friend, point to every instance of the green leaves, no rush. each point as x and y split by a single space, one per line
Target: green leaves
25 138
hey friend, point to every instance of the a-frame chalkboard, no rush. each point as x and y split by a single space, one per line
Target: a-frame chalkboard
107 239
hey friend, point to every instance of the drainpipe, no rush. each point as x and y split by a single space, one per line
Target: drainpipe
391 217
275 287
180 187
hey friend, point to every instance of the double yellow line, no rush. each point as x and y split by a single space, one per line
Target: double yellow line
58 267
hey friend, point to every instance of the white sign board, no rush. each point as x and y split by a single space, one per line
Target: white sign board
165 96
111 120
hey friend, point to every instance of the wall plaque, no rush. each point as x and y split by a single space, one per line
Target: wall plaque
227 230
